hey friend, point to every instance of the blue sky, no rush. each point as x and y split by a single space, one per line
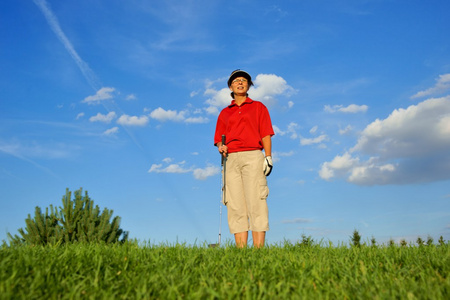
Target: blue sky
121 98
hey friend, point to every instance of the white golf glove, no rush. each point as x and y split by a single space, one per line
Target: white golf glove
268 165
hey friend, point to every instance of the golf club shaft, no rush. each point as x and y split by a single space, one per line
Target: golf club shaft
223 143
223 162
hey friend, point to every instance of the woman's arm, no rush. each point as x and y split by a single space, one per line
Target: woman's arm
267 145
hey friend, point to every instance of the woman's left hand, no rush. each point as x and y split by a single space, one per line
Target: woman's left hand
268 165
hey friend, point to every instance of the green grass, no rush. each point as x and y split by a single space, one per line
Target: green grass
132 271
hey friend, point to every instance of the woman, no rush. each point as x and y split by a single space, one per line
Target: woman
248 130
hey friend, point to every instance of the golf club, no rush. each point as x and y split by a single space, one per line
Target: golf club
224 165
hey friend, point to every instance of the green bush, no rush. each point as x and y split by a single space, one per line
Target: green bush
78 220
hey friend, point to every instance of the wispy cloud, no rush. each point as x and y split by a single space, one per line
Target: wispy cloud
102 94
276 155
311 141
130 97
291 130
442 85
88 74
346 130
35 151
202 174
297 221
179 168
351 109
196 120
185 28
111 131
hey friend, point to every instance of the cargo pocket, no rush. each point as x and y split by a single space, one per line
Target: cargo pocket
263 189
224 196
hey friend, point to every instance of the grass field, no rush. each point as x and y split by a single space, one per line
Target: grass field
132 271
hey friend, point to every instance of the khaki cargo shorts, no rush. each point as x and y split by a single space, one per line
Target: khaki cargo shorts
246 192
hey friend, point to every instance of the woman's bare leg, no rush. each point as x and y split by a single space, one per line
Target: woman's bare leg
241 239
258 238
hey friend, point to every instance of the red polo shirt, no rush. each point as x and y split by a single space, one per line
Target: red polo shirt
244 126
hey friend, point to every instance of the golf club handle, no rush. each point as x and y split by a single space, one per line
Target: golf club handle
223 143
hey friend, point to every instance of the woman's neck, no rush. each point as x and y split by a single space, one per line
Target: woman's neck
239 99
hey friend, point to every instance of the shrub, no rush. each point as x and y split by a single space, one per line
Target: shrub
420 242
78 220
307 241
356 238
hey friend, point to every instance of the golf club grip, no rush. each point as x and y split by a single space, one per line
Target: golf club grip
223 143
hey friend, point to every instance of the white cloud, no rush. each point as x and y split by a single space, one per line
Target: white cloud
291 129
197 120
171 168
411 145
102 94
346 130
103 118
202 174
415 131
162 115
290 104
193 94
442 85
338 166
268 86
179 168
314 129
219 99
130 97
111 131
127 120
80 115
352 108
312 141
278 130
212 110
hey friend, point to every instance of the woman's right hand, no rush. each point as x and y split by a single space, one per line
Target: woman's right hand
223 149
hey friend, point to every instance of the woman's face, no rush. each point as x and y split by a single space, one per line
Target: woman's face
239 86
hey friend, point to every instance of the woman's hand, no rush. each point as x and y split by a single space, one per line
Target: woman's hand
223 150
268 165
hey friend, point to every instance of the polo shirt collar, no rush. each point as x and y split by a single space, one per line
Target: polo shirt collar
233 103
